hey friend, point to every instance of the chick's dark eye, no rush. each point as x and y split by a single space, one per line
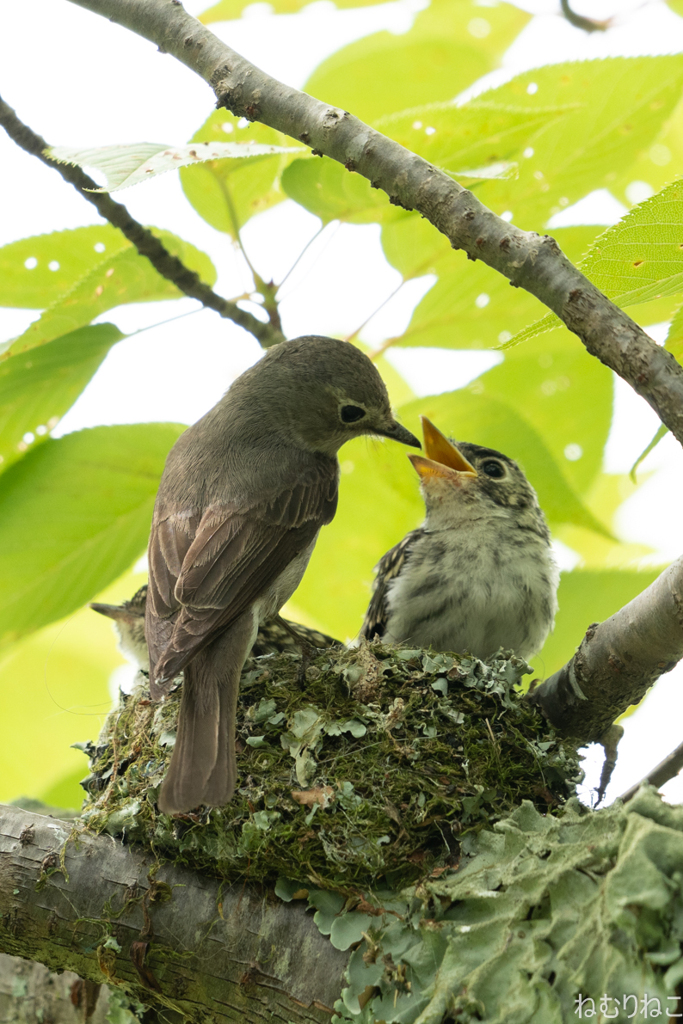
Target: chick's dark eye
351 413
493 469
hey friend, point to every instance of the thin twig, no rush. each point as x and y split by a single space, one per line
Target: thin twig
665 770
374 313
303 252
580 21
530 261
145 242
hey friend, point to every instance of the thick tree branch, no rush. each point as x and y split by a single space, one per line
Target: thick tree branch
530 261
618 661
145 242
175 939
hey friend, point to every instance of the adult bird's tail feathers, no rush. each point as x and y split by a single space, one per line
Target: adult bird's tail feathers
203 768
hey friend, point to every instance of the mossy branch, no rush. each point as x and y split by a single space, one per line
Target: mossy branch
170 937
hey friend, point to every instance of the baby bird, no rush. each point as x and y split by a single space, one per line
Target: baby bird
478 575
275 636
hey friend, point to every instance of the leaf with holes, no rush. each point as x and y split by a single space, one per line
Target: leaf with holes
122 277
621 103
35 272
470 305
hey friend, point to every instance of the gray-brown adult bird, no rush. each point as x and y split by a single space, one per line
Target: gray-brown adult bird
478 574
242 499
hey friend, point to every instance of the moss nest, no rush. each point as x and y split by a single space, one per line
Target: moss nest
373 770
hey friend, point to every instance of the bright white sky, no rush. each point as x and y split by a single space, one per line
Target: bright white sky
92 83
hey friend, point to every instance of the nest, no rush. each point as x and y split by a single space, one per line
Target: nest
370 773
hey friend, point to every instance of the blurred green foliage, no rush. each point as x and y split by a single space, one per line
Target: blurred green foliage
75 511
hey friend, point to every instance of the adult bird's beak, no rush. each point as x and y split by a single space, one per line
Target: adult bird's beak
443 458
398 433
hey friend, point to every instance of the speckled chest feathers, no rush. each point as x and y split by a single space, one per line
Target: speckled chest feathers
479 574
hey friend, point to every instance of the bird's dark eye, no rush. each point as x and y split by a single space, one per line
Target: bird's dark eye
494 469
351 413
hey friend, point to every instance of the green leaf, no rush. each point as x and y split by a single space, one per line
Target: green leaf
604 497
450 45
55 691
622 103
635 261
74 515
36 391
227 10
325 188
122 277
564 393
586 596
471 305
674 339
56 262
477 135
124 166
641 257
226 193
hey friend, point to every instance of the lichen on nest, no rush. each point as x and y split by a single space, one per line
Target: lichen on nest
373 770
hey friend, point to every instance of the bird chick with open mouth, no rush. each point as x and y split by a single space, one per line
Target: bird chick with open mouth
479 574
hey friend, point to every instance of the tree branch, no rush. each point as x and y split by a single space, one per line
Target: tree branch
530 261
665 770
145 242
617 662
581 21
173 938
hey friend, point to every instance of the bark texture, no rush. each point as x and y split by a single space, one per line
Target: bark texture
175 939
618 661
29 993
528 260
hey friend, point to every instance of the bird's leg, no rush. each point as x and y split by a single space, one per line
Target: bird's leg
308 651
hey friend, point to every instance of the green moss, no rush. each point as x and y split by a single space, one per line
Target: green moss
375 769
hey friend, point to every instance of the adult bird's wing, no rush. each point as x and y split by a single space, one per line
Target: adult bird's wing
204 572
387 569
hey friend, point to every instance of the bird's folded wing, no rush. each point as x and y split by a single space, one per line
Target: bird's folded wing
387 569
201 584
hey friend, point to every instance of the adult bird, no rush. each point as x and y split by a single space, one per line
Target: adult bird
479 574
242 499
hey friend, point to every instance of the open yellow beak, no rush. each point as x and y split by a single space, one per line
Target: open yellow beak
442 457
